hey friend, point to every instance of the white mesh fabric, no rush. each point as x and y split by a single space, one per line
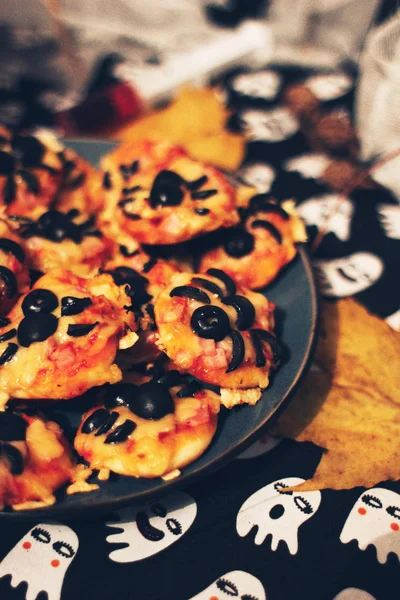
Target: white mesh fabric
378 102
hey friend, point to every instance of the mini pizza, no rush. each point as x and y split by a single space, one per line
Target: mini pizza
14 273
267 238
170 205
62 337
30 173
35 461
82 185
148 428
64 240
219 333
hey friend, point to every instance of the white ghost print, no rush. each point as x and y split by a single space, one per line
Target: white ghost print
310 165
328 210
259 175
236 584
261 84
389 217
265 444
394 320
353 594
341 277
41 558
375 520
277 512
274 125
150 528
329 86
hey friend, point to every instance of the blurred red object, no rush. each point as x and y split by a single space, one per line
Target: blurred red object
102 111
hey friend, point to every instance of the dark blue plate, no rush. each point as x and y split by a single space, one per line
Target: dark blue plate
295 295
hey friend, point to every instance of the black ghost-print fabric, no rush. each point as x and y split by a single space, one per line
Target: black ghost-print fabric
210 549
359 253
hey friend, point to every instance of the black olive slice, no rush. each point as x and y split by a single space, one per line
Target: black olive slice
202 211
7 163
152 401
260 357
95 420
30 180
149 265
8 353
12 427
169 177
4 321
193 186
119 394
121 433
226 280
9 191
14 457
270 339
125 171
270 207
132 216
210 322
188 291
189 390
9 280
238 350
107 424
70 305
80 329
8 335
134 168
107 184
39 301
208 285
245 311
36 327
239 243
170 379
203 194
11 247
260 223
77 181
131 190
165 194
28 149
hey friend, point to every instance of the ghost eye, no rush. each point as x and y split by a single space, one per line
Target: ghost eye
227 587
174 526
280 488
372 501
64 549
159 510
394 511
41 535
303 505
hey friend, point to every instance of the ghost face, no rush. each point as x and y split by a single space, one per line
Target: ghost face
389 217
332 209
375 520
151 528
263 84
329 86
348 275
311 165
41 558
258 175
262 446
236 584
273 125
275 511
353 594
